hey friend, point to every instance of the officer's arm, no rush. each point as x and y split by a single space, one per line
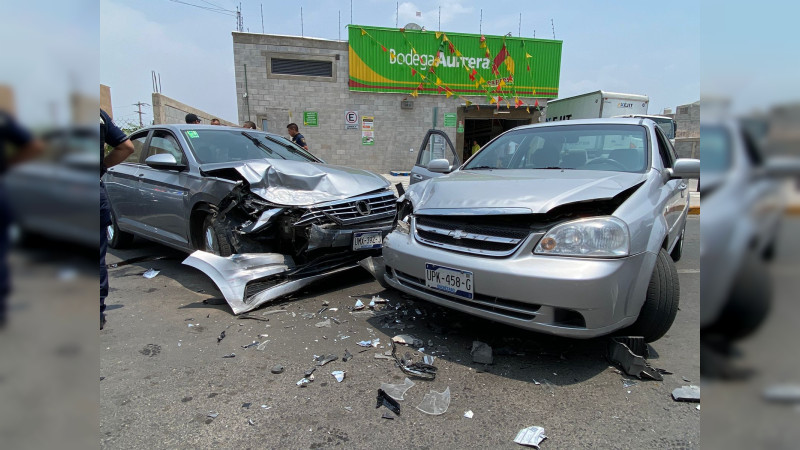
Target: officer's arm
118 154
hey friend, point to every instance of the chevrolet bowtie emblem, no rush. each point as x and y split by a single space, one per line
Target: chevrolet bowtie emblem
457 234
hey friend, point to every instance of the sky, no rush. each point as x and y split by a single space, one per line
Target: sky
615 46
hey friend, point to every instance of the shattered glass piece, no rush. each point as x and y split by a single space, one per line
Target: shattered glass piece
232 355
380 356
151 273
686 394
372 304
785 393
531 436
333 309
325 323
376 342
408 339
396 391
384 400
253 344
212 414
339 375
435 403
307 315
628 383
262 345
469 414
428 359
303 382
326 360
358 306
365 343
250 421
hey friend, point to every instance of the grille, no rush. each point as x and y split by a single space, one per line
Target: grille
366 208
455 234
302 67
519 310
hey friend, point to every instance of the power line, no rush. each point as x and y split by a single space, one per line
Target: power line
218 11
217 6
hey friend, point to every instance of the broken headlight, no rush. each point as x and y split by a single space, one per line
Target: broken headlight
596 237
404 217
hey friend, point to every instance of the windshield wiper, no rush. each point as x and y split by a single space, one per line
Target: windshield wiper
260 144
481 168
554 168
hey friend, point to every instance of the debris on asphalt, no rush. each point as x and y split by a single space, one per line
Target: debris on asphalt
428 359
274 311
212 414
322 360
307 315
232 355
214 301
626 383
531 436
633 363
333 309
417 369
303 382
347 355
221 337
388 416
339 375
469 414
686 380
396 391
151 273
246 405
262 345
686 394
310 371
276 369
358 306
382 356
138 259
252 317
253 344
325 323
435 403
250 421
389 402
783 393
481 353
408 339
322 310
379 299
698 407
365 344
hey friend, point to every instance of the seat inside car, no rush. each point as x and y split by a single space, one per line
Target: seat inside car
574 159
547 156
631 158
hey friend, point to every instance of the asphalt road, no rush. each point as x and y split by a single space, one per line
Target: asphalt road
161 377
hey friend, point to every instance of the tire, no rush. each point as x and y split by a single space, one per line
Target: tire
661 304
749 301
116 237
677 251
214 238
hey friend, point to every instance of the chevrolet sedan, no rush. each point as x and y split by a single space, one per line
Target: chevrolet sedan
568 228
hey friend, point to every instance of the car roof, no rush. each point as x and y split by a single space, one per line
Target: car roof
178 127
611 121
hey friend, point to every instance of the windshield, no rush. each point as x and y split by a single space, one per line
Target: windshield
715 150
220 146
666 125
617 148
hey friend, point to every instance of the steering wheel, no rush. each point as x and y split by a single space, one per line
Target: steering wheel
612 162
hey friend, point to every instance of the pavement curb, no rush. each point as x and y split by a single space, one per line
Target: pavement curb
694 210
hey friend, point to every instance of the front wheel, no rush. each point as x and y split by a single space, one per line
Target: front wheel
661 304
117 238
215 239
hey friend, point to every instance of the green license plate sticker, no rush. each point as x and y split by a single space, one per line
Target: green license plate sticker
192 134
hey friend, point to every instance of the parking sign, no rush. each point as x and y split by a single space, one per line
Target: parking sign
351 120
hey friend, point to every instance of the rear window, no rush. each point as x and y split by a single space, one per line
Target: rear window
616 148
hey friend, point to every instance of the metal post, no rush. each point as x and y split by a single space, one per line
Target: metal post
262 18
480 26
301 22
246 94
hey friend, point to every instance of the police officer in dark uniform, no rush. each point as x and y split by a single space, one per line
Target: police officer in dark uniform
297 138
121 148
25 147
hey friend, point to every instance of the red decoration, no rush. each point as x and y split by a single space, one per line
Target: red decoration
452 48
383 48
472 75
536 104
498 59
413 71
529 67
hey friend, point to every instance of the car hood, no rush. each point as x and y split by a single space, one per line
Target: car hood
298 183
528 191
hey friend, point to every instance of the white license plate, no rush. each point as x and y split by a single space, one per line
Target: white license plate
452 281
367 240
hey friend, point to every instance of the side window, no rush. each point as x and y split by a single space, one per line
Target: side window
163 142
138 141
436 148
664 149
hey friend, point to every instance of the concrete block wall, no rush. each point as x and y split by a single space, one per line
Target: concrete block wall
282 99
168 110
687 117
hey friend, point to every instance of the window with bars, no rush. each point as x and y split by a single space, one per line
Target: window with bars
284 66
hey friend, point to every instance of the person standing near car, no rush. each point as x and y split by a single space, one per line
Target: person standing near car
297 138
192 118
122 148
26 147
215 121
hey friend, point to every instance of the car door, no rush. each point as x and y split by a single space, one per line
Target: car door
122 184
436 145
677 203
163 194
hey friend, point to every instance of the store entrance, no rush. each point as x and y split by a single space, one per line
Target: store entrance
484 130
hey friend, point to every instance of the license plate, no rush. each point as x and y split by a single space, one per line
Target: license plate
452 281
367 240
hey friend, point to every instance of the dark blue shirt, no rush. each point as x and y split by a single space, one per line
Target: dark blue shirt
300 140
109 134
11 132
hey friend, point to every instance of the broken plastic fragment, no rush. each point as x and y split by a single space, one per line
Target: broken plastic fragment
408 339
469 414
396 391
634 364
686 394
388 416
389 402
151 273
435 403
347 355
358 306
303 382
232 355
212 414
321 361
221 337
365 344
531 436
428 359
339 375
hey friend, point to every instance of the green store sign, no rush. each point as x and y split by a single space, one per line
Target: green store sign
452 64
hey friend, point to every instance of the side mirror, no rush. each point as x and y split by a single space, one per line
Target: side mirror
439 166
685 168
782 167
164 161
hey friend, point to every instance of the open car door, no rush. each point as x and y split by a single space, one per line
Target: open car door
436 145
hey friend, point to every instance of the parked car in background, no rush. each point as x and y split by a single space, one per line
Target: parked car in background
226 190
568 228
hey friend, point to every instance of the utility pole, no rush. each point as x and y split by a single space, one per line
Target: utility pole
554 28
480 25
302 33
239 20
262 18
140 104
440 18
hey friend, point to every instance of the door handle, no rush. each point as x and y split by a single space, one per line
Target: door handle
417 176
141 175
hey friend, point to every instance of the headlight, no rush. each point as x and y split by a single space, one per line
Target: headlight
596 237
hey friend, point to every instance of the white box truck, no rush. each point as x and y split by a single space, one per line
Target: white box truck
604 104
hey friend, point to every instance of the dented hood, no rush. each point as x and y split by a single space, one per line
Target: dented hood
528 191
298 183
